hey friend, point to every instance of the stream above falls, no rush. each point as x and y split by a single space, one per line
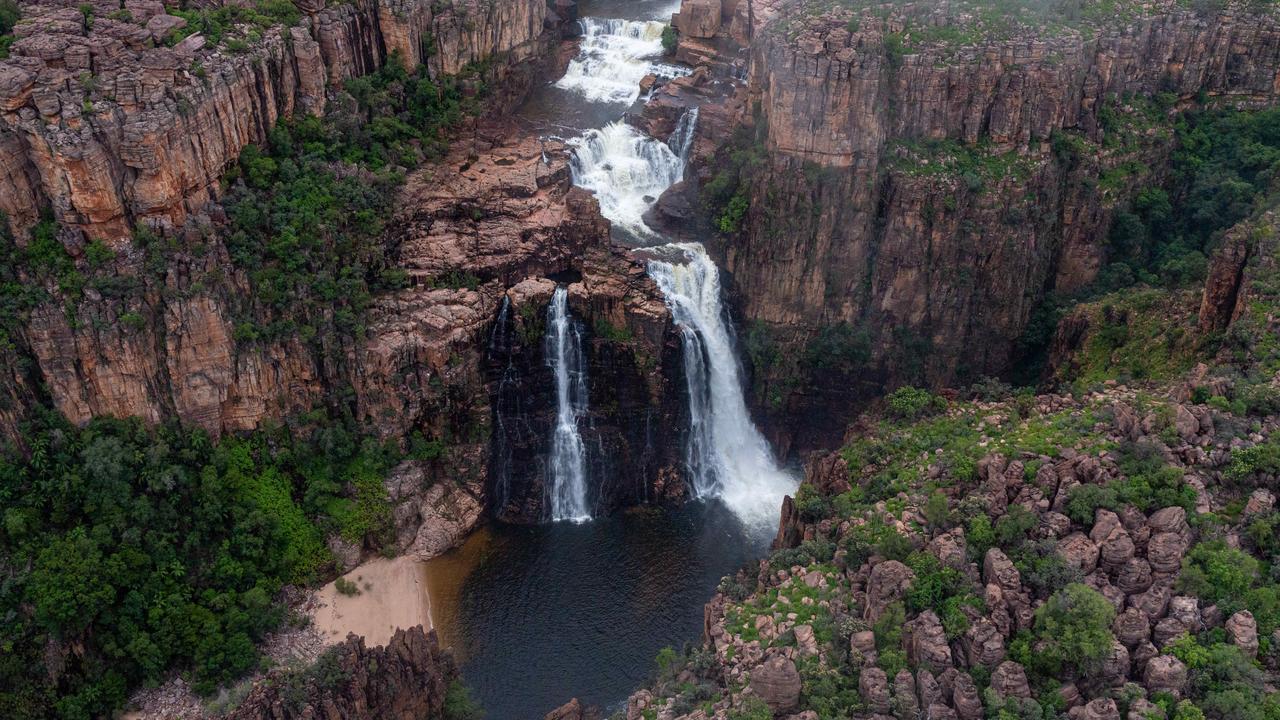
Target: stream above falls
539 614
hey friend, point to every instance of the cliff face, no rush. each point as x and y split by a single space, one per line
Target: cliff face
922 195
112 129
161 343
406 678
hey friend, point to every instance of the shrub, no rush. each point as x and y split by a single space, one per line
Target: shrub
937 511
1217 573
459 705
346 587
753 708
1043 568
912 403
1247 462
1072 630
811 504
669 40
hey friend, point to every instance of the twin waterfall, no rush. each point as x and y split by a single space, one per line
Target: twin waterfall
568 468
727 458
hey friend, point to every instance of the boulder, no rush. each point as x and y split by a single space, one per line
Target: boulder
1097 709
1009 679
1134 577
873 684
1242 631
1261 501
1131 627
983 643
888 583
1164 552
905 705
1078 550
965 698
571 710
998 569
161 25
777 682
1165 673
929 646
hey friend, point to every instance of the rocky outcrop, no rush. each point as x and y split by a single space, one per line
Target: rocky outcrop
407 678
1117 555
102 122
916 198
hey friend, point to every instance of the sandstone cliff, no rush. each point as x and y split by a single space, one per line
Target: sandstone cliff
103 122
920 182
472 234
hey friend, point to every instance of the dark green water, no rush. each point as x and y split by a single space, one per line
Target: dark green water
537 615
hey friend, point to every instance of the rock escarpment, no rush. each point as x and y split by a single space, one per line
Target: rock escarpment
916 192
407 678
164 338
103 122
944 581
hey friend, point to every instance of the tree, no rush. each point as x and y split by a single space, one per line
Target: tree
1073 630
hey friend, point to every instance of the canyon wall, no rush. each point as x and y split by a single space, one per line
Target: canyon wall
116 132
112 129
914 199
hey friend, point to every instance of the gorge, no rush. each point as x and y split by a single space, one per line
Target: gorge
854 360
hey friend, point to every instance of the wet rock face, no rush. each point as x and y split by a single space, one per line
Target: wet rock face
110 127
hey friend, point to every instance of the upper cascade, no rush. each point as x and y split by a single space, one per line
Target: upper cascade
615 56
627 171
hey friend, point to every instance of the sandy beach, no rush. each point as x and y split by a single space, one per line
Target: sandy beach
392 595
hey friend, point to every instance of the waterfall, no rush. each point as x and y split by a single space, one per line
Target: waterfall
627 171
567 484
614 57
681 140
727 456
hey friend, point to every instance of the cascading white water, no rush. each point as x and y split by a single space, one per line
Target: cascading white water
567 484
627 171
727 456
614 57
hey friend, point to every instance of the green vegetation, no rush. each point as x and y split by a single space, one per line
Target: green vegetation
896 455
669 40
1148 484
10 13
911 403
307 212
727 196
131 552
1224 683
459 705
1222 168
218 23
975 165
1072 630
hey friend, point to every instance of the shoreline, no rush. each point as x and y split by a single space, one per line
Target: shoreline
389 594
